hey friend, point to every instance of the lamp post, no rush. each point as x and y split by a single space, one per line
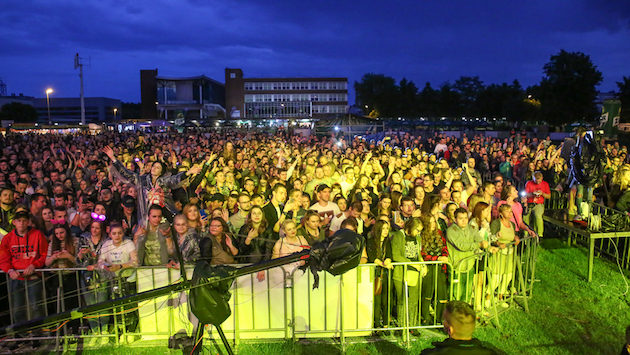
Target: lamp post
115 111
48 92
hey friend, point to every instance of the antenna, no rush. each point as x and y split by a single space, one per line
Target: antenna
79 64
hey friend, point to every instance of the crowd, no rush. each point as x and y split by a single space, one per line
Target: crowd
111 202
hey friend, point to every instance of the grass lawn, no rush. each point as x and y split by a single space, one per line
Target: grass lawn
567 316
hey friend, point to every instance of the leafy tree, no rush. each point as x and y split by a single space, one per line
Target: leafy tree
450 102
469 89
624 97
407 98
428 101
18 112
567 91
379 93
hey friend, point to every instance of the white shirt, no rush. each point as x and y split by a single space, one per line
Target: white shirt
115 255
329 210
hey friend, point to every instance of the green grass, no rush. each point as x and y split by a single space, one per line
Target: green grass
566 315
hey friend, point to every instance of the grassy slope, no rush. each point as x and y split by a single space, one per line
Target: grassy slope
567 316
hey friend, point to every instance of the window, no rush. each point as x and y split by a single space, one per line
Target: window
232 75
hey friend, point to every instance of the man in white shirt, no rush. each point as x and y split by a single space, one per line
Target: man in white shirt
326 209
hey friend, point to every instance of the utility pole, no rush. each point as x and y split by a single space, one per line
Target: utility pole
78 64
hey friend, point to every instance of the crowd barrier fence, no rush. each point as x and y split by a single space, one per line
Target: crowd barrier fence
282 305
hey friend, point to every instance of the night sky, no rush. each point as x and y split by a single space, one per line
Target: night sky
422 40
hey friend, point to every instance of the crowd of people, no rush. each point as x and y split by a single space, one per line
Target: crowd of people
115 201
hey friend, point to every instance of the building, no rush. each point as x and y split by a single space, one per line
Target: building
188 98
264 98
67 110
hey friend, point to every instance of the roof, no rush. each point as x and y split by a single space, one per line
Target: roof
185 78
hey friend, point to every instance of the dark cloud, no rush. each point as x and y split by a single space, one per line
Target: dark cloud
420 40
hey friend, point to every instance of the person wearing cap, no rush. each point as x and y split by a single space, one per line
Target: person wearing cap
326 209
22 251
128 217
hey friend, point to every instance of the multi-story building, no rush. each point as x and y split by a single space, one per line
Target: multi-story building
265 98
188 98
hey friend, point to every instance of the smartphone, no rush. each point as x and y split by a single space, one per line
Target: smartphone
137 159
523 193
203 213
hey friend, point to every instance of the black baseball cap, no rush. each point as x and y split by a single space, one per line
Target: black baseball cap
128 201
217 197
21 214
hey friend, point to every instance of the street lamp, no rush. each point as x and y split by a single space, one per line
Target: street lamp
48 92
115 111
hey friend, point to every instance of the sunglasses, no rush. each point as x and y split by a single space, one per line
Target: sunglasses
58 221
98 217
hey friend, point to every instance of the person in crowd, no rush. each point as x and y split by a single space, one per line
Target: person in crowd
152 187
536 192
480 223
509 196
7 209
434 284
290 243
94 286
502 263
186 238
256 237
23 250
354 210
379 252
326 209
218 247
238 219
118 254
154 244
128 216
459 320
406 247
274 209
311 228
463 243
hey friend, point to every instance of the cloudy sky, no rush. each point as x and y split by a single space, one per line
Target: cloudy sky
422 40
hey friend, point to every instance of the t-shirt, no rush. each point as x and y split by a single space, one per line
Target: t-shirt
531 187
115 255
151 250
329 210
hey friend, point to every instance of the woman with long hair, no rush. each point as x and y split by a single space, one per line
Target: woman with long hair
256 237
379 251
480 222
434 284
406 246
509 196
193 217
290 243
502 263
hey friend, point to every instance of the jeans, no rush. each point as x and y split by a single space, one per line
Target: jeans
382 302
537 211
26 299
93 293
434 286
463 284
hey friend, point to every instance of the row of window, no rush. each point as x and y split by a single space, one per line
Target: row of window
308 85
329 109
295 97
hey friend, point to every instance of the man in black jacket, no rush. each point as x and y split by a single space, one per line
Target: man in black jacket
459 323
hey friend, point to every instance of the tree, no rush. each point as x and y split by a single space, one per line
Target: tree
130 110
469 88
407 98
449 102
567 92
428 101
624 97
18 112
379 93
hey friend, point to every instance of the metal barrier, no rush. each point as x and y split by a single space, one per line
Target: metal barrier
613 244
283 303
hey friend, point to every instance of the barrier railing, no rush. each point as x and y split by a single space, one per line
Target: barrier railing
282 304
606 231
